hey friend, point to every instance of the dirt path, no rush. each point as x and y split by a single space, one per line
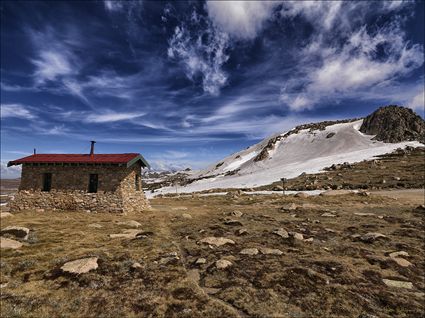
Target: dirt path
414 196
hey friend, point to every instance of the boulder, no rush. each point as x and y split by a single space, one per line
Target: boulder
95 225
200 261
281 232
270 251
289 207
80 266
297 236
237 214
372 237
186 216
249 251
222 264
397 254
17 231
397 283
402 262
6 243
217 241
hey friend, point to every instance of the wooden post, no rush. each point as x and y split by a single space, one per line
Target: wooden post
283 185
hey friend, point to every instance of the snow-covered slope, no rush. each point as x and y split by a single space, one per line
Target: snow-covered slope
290 154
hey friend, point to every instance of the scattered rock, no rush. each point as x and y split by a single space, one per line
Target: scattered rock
241 232
397 283
95 225
281 232
186 216
330 135
200 261
8 243
371 237
270 251
170 258
80 266
397 254
4 285
217 241
5 215
222 264
402 262
39 210
136 265
17 231
309 240
297 236
130 223
363 214
237 214
289 207
329 215
249 251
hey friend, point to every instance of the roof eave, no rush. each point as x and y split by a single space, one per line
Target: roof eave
137 158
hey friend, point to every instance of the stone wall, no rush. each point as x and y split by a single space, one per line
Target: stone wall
116 189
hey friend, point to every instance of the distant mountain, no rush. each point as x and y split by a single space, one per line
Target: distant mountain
311 147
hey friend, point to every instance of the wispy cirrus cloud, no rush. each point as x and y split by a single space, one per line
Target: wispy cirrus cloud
353 68
201 52
16 111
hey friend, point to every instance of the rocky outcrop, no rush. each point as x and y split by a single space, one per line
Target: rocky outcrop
394 124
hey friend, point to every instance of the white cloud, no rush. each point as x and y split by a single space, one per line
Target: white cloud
50 65
16 111
9 172
202 53
241 19
111 117
353 68
418 101
113 5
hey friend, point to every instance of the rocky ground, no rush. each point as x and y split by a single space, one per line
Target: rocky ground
333 255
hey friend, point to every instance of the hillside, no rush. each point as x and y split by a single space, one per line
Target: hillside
308 149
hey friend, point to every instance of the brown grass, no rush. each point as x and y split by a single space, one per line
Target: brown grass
332 277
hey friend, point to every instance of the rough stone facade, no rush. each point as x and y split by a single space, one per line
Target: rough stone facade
116 191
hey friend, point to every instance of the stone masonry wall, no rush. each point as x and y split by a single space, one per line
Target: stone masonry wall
116 189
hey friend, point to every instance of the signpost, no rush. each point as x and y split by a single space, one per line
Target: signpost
283 185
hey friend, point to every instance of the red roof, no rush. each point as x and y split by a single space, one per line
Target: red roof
116 158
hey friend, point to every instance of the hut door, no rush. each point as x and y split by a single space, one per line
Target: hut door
93 183
47 181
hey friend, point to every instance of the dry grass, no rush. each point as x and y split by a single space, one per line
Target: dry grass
332 277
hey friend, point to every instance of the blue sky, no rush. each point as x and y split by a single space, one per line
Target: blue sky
187 83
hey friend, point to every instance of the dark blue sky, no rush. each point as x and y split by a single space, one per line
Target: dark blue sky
186 83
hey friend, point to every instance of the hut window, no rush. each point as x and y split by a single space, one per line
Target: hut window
47 182
137 180
93 180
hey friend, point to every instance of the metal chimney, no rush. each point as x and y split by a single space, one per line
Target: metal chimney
92 148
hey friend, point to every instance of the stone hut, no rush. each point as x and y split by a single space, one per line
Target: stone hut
85 182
